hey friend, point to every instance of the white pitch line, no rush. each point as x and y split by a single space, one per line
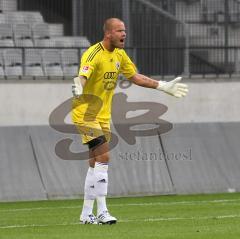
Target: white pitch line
37 225
176 203
124 221
126 204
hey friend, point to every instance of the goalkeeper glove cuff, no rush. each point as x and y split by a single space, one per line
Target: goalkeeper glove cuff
77 87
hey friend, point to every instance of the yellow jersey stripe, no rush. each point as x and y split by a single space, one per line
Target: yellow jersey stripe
90 55
91 58
101 45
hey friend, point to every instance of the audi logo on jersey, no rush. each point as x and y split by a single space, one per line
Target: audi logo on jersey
110 75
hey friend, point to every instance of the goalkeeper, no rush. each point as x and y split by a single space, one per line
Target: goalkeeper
93 90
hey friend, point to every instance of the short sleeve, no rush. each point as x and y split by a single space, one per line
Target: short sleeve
128 69
87 67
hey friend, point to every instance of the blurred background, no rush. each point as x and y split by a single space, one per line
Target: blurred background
165 37
41 43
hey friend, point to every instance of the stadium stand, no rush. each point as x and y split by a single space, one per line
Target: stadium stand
31 39
205 19
214 30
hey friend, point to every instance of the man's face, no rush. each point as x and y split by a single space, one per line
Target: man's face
117 35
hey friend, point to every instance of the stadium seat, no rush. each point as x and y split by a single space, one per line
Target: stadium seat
22 35
6 35
33 17
13 62
8 5
70 62
41 35
40 31
44 43
52 62
2 18
56 29
14 17
66 41
62 41
33 62
80 41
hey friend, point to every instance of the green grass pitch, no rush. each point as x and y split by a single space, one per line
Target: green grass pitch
187 217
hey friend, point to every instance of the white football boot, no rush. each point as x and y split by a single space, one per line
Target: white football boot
106 218
90 219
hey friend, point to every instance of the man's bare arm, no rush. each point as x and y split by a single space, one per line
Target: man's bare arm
144 81
173 87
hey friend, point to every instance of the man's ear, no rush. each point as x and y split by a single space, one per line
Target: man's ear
108 34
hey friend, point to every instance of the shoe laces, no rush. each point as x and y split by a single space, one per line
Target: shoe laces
106 213
92 217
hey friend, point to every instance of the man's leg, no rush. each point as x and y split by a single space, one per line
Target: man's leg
97 137
101 176
89 194
92 135
101 156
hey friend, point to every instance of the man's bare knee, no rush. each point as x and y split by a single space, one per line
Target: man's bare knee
101 153
91 162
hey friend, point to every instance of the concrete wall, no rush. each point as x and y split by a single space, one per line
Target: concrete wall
31 102
191 158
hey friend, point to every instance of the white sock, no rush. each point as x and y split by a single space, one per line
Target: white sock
89 193
87 208
101 185
101 204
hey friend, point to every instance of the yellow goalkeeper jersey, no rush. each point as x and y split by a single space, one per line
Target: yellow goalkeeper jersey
101 68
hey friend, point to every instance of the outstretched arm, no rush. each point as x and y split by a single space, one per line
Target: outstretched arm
173 87
144 81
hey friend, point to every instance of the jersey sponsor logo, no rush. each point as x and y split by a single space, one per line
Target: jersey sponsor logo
85 69
110 85
110 75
